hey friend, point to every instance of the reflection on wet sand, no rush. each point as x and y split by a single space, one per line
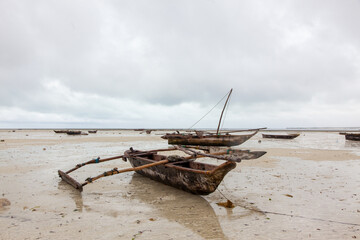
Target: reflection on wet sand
73 193
352 144
191 211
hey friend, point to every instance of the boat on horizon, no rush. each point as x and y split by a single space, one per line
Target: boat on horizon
352 136
281 136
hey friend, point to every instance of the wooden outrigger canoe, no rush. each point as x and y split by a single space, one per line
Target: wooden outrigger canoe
281 136
179 172
201 138
352 136
193 177
207 140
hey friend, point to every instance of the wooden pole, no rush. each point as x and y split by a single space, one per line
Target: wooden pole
98 160
115 171
217 131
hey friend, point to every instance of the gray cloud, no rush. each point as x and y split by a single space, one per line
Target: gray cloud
85 59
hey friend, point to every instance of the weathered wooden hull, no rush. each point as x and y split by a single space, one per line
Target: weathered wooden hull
277 136
193 177
221 140
352 136
60 131
70 132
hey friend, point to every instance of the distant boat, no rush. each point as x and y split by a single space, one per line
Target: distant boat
281 136
92 131
209 139
73 132
202 138
352 136
60 131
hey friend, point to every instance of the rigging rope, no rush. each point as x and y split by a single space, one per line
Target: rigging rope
208 111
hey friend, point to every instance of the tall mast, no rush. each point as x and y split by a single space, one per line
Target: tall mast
217 131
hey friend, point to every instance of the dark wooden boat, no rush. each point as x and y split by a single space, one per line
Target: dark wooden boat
201 138
179 172
207 139
194 177
60 131
92 131
281 136
352 136
73 132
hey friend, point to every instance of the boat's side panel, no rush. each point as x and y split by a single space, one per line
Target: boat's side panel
211 141
196 183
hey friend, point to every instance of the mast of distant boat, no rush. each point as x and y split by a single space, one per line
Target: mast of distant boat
217 131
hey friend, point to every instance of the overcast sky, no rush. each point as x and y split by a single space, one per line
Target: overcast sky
164 64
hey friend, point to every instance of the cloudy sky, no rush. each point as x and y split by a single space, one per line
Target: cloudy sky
166 63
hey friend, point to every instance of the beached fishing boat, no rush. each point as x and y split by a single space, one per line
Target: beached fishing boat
352 136
202 138
194 177
92 131
208 139
173 170
281 136
73 132
60 131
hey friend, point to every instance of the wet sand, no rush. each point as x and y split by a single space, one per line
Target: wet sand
306 188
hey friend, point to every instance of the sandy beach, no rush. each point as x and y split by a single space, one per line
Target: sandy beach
305 188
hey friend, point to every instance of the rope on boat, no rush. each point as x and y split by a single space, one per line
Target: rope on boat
208 112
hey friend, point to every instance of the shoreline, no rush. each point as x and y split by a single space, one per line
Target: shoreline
325 129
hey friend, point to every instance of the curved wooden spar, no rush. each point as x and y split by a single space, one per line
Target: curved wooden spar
217 131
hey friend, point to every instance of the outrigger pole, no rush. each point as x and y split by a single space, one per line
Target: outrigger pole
217 131
67 178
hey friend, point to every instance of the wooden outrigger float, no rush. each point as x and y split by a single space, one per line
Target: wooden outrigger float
281 136
179 172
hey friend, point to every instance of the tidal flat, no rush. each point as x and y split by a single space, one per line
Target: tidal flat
305 188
